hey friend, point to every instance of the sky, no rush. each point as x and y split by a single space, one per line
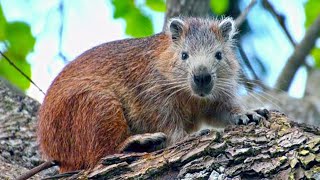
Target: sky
90 23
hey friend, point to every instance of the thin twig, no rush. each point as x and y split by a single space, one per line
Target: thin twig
21 72
266 4
239 21
61 10
242 17
32 172
247 62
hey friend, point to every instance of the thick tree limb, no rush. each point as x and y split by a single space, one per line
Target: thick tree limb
298 56
274 149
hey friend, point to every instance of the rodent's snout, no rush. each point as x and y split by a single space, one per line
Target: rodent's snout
202 82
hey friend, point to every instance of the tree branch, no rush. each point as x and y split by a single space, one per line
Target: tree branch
274 149
266 4
61 10
298 56
242 17
195 8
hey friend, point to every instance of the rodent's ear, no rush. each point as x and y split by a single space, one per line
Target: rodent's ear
176 28
227 28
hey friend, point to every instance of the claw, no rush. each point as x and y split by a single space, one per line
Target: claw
144 142
251 116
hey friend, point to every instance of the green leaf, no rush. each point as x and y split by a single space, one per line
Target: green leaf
3 24
10 73
156 5
219 7
20 39
316 55
312 10
122 8
137 23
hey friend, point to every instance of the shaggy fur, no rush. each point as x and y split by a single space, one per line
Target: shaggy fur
136 86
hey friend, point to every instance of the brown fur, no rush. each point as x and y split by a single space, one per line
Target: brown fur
100 99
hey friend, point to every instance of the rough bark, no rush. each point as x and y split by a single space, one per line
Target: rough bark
304 110
298 56
18 146
274 149
17 127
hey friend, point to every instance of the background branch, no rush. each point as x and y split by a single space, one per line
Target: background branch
195 8
280 18
298 56
61 10
242 17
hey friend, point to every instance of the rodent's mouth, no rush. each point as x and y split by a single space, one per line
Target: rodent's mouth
202 91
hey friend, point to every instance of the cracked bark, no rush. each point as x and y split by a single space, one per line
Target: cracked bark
275 149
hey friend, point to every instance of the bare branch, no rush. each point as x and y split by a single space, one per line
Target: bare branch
280 19
242 17
298 56
61 10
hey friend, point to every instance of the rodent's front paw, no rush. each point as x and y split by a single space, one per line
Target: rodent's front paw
251 116
147 142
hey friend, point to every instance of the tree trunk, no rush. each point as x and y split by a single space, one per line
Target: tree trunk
275 149
195 8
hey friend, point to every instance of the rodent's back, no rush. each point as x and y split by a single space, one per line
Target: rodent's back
117 65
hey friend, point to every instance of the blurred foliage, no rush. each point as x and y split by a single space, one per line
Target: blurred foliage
18 42
312 11
156 5
137 23
219 7
316 55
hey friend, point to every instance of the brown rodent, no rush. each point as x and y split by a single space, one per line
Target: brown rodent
165 85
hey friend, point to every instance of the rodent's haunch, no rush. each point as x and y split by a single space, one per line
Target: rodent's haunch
165 85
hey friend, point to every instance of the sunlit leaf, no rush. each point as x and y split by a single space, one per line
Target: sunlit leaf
20 39
11 74
122 7
137 23
312 11
219 7
20 42
3 23
316 55
156 5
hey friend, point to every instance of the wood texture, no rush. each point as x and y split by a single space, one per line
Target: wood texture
275 149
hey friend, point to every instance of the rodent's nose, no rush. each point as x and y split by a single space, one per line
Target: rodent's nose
202 80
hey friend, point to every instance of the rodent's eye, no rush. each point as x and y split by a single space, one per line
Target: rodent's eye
218 55
184 56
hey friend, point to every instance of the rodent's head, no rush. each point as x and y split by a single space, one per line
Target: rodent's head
204 56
